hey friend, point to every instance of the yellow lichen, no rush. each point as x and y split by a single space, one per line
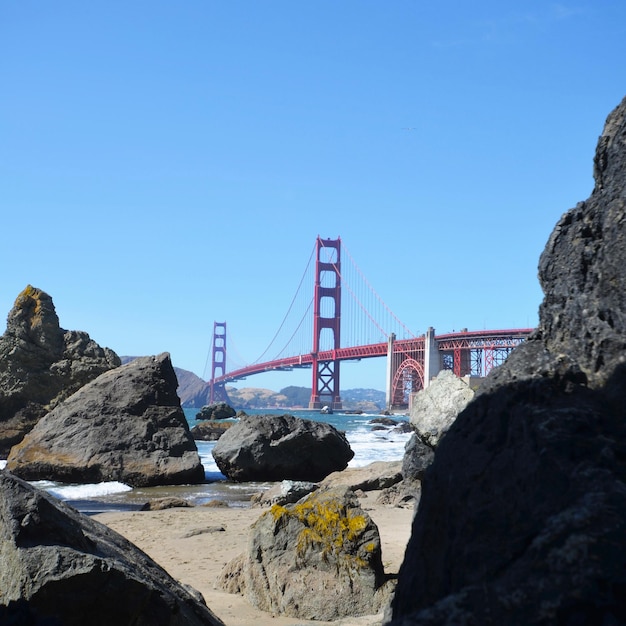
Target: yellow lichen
328 525
278 511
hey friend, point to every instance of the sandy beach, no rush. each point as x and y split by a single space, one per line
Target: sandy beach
194 544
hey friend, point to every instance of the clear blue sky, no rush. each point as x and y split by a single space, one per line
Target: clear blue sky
167 164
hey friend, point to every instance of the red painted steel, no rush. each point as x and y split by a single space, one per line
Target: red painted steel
483 340
325 384
218 363
465 352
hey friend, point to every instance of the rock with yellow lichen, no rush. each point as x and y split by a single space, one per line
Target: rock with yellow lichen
317 559
41 364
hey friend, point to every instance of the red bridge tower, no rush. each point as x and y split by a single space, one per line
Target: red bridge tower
218 363
326 324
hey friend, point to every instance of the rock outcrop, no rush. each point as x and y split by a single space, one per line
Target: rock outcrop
209 431
126 425
61 567
281 447
216 411
379 475
284 492
522 518
433 411
435 408
376 475
41 364
317 559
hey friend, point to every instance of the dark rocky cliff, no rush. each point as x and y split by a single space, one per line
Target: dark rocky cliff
522 518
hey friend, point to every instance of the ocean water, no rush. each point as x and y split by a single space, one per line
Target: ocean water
368 443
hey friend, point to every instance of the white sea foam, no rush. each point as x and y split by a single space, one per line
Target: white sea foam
376 445
82 492
206 457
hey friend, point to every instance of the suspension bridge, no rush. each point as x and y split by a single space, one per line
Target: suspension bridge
345 319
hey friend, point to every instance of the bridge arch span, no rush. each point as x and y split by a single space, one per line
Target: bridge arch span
407 379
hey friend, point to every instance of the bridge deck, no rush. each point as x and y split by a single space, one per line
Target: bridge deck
466 340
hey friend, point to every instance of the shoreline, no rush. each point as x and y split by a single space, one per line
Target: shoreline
194 544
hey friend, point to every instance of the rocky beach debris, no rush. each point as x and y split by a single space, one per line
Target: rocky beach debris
284 492
375 476
41 364
61 567
209 431
272 448
319 558
126 425
522 517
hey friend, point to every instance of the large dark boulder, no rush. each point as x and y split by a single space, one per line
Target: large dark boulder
41 364
319 558
126 425
61 567
281 447
522 518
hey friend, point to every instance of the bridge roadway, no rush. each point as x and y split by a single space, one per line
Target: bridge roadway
458 346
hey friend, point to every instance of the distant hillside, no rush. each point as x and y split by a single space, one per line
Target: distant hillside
194 393
192 390
367 400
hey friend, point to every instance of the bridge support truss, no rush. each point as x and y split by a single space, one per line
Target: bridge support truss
405 367
413 363
218 364
326 324
476 353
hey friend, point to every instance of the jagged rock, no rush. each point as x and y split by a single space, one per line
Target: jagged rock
127 425
61 567
317 559
160 504
522 517
285 492
376 475
216 411
433 411
281 447
417 458
405 494
406 491
384 421
402 428
435 408
209 431
41 364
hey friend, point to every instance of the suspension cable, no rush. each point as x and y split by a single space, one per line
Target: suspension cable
373 291
393 315
296 330
306 269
